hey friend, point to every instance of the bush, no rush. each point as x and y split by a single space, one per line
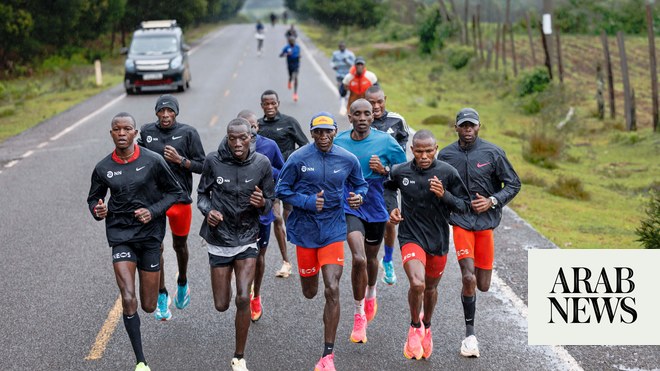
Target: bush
534 81
459 56
649 231
628 138
428 30
542 150
569 188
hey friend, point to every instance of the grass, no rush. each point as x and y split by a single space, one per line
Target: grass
614 168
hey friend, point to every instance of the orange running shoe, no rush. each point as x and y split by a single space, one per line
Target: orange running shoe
295 97
255 309
427 343
326 363
413 347
370 308
289 85
359 334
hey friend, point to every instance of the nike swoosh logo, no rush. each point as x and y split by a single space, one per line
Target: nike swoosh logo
248 180
340 260
139 168
336 171
154 265
278 129
482 165
175 138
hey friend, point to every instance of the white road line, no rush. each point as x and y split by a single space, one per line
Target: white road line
84 119
11 163
562 354
27 154
331 85
42 145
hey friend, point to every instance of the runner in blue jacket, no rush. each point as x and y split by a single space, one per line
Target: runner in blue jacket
313 181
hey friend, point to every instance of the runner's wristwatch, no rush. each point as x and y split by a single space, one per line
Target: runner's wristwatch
493 200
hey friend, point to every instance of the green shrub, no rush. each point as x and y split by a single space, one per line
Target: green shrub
649 231
438 120
459 56
534 81
531 104
542 150
628 138
428 30
569 188
532 179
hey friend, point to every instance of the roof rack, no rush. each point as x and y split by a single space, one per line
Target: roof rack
165 23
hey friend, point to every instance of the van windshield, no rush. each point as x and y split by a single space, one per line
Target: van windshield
154 45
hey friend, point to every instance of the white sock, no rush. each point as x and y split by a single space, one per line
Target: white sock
359 307
371 292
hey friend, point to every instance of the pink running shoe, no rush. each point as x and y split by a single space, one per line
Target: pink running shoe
359 334
427 343
370 308
326 363
413 347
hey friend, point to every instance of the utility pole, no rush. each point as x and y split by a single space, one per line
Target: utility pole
547 21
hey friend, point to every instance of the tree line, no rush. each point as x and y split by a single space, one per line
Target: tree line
30 30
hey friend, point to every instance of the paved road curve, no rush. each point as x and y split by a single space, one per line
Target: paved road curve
58 286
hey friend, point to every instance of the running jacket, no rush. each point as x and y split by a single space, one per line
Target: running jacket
268 148
485 170
145 181
185 139
425 216
285 131
306 173
341 62
358 85
373 209
395 125
226 185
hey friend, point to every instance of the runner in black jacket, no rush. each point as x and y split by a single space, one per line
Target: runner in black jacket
181 147
430 190
492 183
287 133
395 125
236 187
142 188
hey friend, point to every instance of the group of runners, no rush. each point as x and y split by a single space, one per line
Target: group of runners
353 186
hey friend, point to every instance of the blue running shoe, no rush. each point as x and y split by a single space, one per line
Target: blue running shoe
389 277
182 298
162 312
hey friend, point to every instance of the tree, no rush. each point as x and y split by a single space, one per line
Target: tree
15 28
337 13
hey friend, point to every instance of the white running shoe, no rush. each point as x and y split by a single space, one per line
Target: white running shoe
470 347
238 364
342 109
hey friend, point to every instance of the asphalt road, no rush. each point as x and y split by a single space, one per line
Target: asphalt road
58 286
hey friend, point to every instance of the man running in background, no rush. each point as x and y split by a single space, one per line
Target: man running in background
292 53
286 132
430 191
268 148
260 36
358 80
235 188
342 60
313 181
182 149
377 153
142 188
492 183
395 125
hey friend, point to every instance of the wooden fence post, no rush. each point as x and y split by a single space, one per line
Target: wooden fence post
489 55
627 97
513 52
600 86
474 35
481 45
497 46
608 71
529 36
654 75
548 61
466 21
560 64
443 11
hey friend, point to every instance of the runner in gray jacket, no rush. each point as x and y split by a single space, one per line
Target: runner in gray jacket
492 183
235 188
